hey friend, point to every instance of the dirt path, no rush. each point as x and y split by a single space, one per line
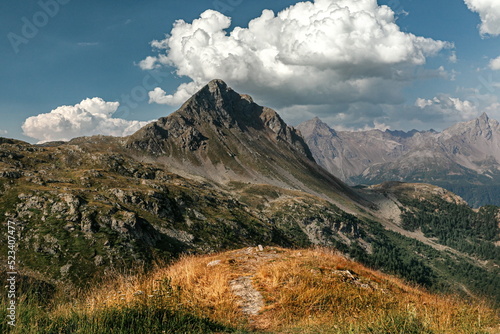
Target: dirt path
251 300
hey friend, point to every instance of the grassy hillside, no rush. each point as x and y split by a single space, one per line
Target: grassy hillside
272 290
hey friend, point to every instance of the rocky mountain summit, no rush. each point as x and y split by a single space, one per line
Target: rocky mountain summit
213 108
222 173
224 136
464 158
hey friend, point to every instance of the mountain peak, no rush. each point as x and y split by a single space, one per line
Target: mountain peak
484 117
216 103
483 122
319 123
216 114
315 125
217 84
215 90
483 126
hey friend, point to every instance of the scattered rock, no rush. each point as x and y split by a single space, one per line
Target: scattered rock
11 174
98 260
183 236
65 269
213 263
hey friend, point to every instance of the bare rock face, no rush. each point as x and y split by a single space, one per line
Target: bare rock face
215 108
474 144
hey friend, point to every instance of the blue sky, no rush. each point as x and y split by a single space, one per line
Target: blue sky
82 50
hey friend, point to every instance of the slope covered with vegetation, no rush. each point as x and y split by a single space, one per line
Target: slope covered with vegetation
465 240
258 290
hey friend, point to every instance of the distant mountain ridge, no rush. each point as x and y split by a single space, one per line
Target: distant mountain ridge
464 158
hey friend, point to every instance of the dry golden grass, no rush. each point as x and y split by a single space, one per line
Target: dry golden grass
305 291
312 289
189 284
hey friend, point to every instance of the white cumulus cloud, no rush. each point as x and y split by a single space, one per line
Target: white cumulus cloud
312 53
451 108
495 64
453 57
374 126
184 92
87 118
489 11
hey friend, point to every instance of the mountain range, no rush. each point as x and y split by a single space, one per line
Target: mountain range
223 173
464 158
